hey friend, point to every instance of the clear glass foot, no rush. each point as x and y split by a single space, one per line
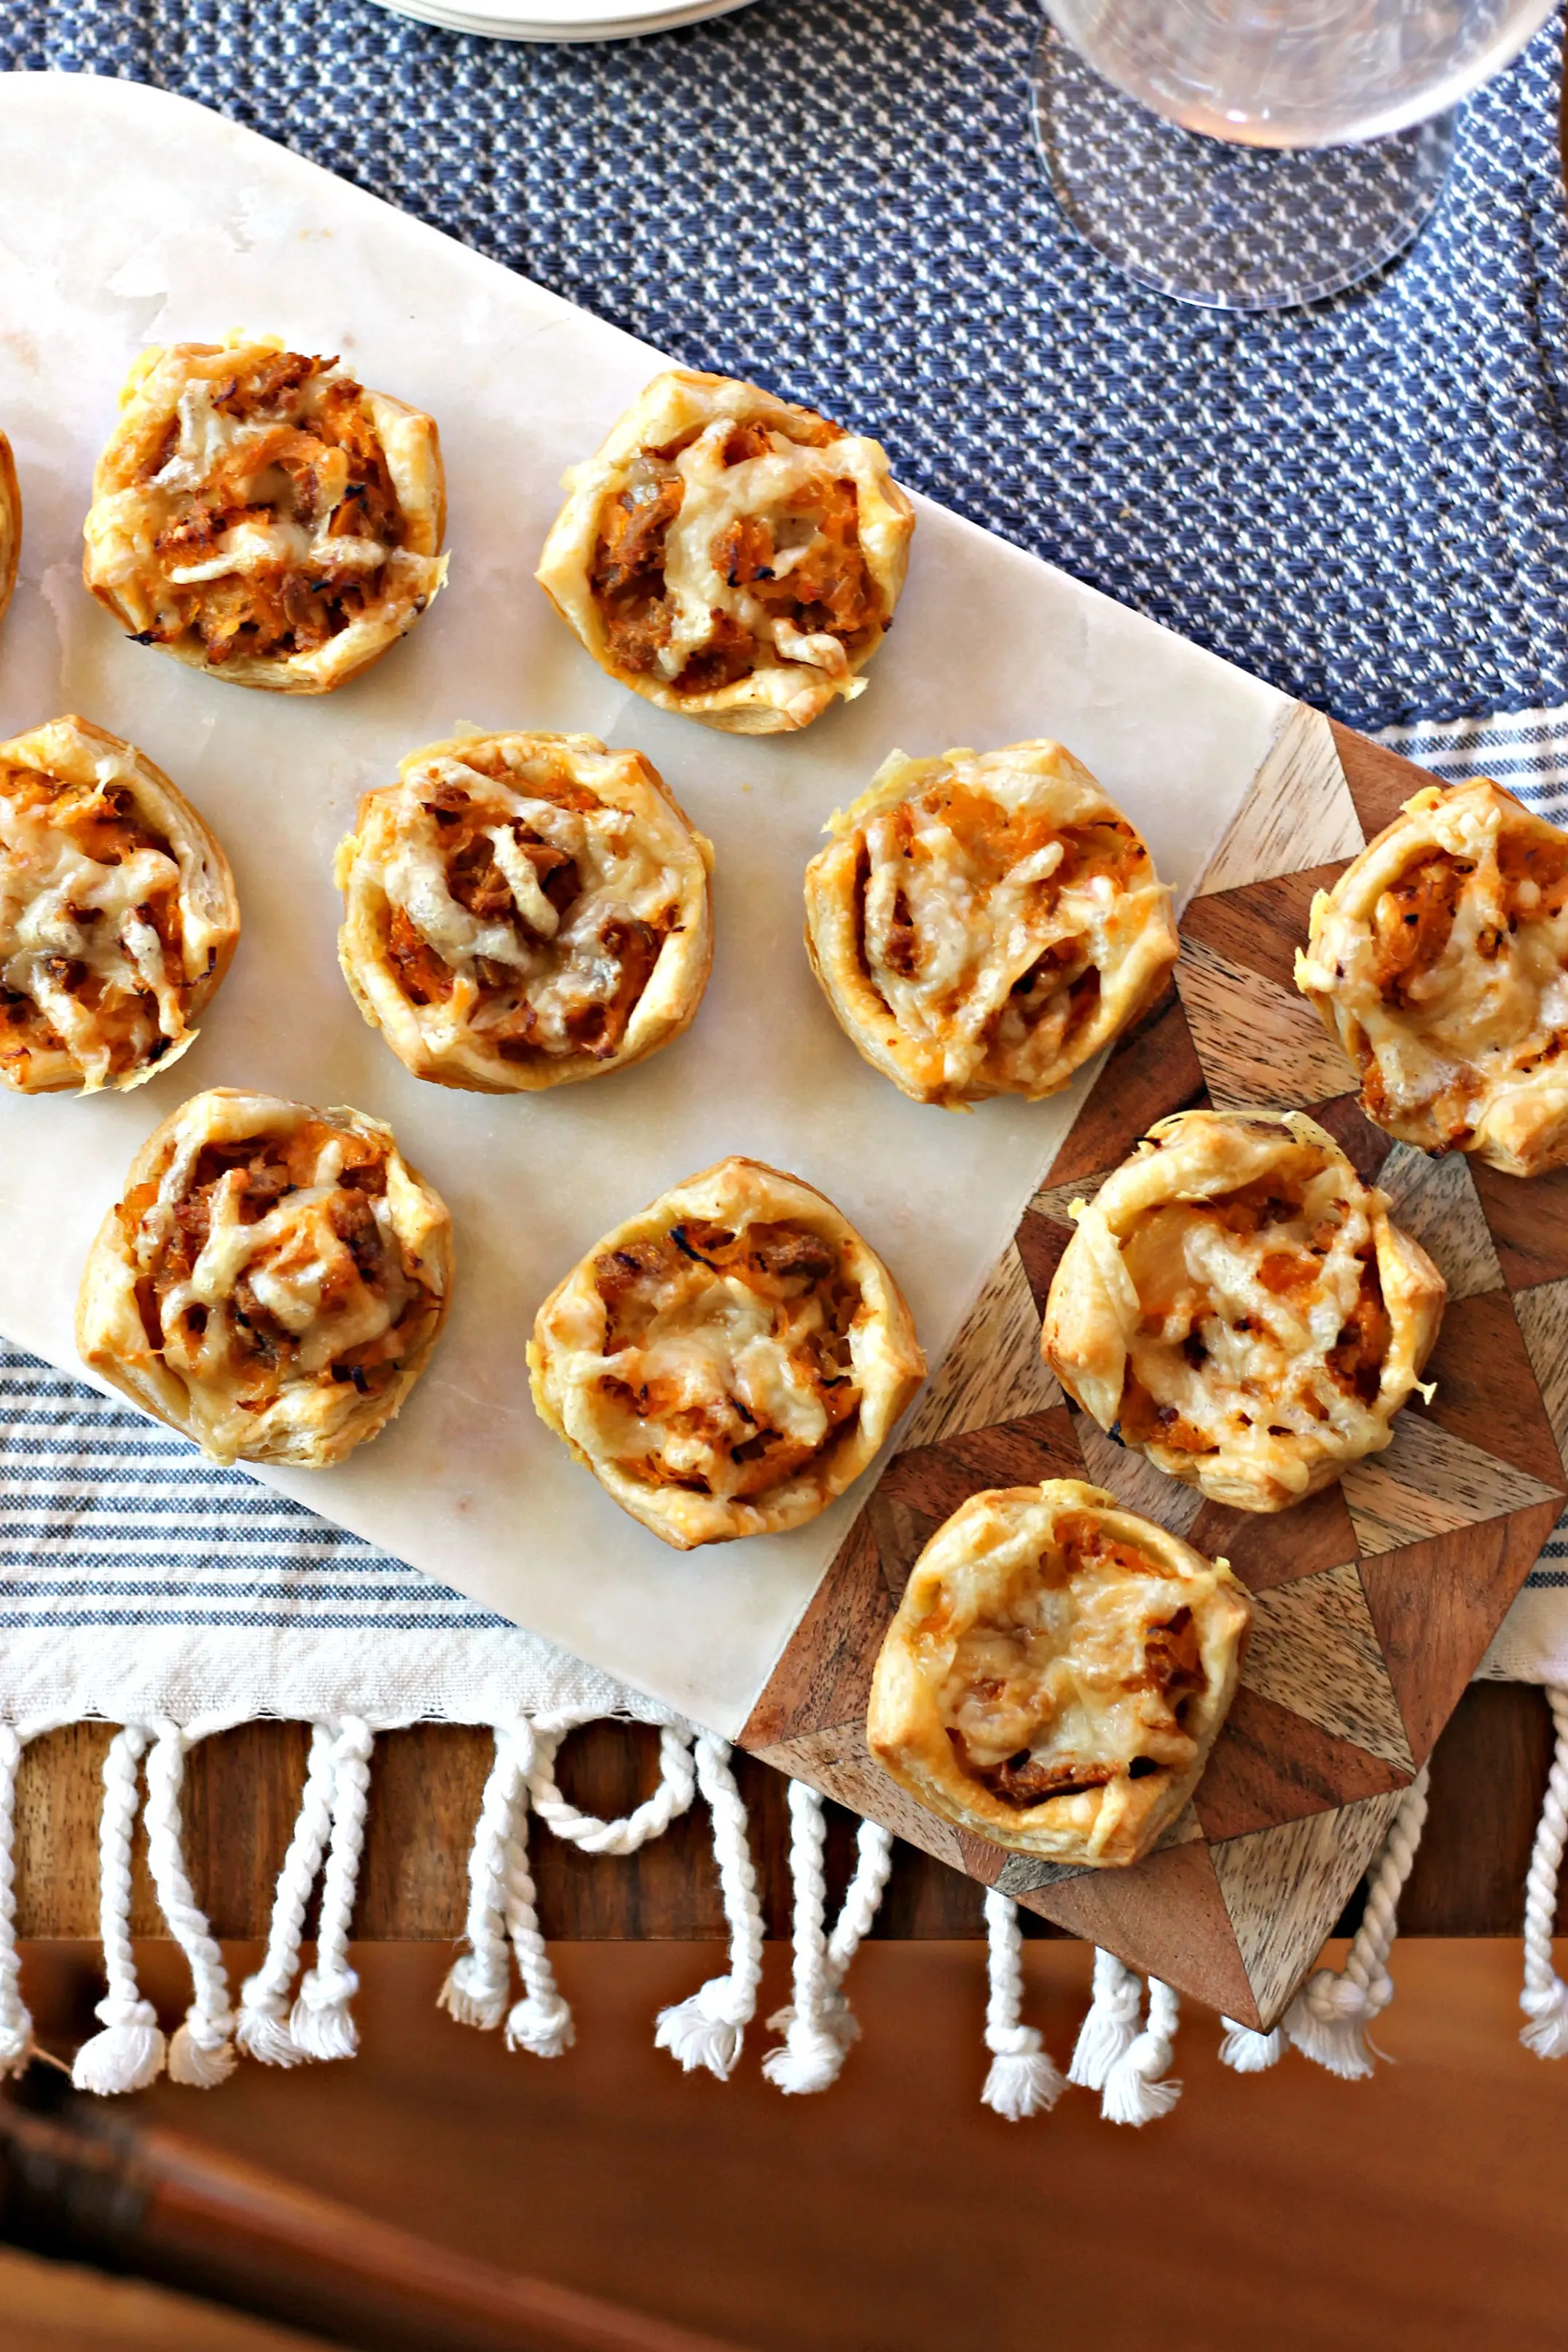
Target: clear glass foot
1235 229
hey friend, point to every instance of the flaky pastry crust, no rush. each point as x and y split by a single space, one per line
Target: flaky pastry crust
729 556
729 1360
259 515
983 924
118 913
1242 1308
10 523
521 911
1439 961
273 1282
1056 1672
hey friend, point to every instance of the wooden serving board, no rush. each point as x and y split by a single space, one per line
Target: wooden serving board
1374 1601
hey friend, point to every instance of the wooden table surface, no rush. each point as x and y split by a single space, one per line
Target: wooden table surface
243 1789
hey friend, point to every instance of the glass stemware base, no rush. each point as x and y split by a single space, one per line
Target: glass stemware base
1232 228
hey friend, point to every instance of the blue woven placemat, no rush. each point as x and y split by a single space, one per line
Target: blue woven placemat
1363 501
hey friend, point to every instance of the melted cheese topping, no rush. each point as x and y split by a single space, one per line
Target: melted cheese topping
1057 1672
273 1302
73 926
715 1374
1238 1339
983 923
777 486
947 941
563 963
1489 1010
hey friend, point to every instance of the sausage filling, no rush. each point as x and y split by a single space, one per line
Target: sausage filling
1092 1656
735 548
727 1362
91 943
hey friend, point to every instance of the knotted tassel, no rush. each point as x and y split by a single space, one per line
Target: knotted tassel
707 2028
540 2022
267 1998
1246 2052
819 2025
1544 1997
322 2021
1327 2019
201 2050
1137 2088
477 1990
15 2025
129 2053
1111 2028
1022 2080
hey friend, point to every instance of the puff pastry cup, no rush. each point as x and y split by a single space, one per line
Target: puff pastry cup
730 556
259 515
729 1360
1056 1674
1439 960
1242 1308
523 910
983 924
273 1282
118 913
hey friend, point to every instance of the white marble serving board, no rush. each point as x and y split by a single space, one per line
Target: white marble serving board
145 218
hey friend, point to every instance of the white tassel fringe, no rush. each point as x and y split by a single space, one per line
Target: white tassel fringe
201 2051
1543 1996
267 1999
1246 2052
129 2052
1022 2081
1111 2027
707 2028
1329 2020
477 1990
321 2023
819 2025
1138 2089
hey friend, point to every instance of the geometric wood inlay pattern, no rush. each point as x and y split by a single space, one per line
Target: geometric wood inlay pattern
1374 1599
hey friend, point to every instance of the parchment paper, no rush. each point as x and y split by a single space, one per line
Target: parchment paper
134 217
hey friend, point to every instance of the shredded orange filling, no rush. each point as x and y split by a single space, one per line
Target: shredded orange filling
323 466
103 824
827 592
261 1350
643 1288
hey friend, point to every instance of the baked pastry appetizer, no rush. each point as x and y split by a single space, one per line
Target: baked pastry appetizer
728 1362
727 555
258 514
1439 960
272 1283
118 916
523 910
1238 1305
1056 1672
982 924
10 523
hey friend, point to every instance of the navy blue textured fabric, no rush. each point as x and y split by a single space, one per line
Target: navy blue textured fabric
1363 501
